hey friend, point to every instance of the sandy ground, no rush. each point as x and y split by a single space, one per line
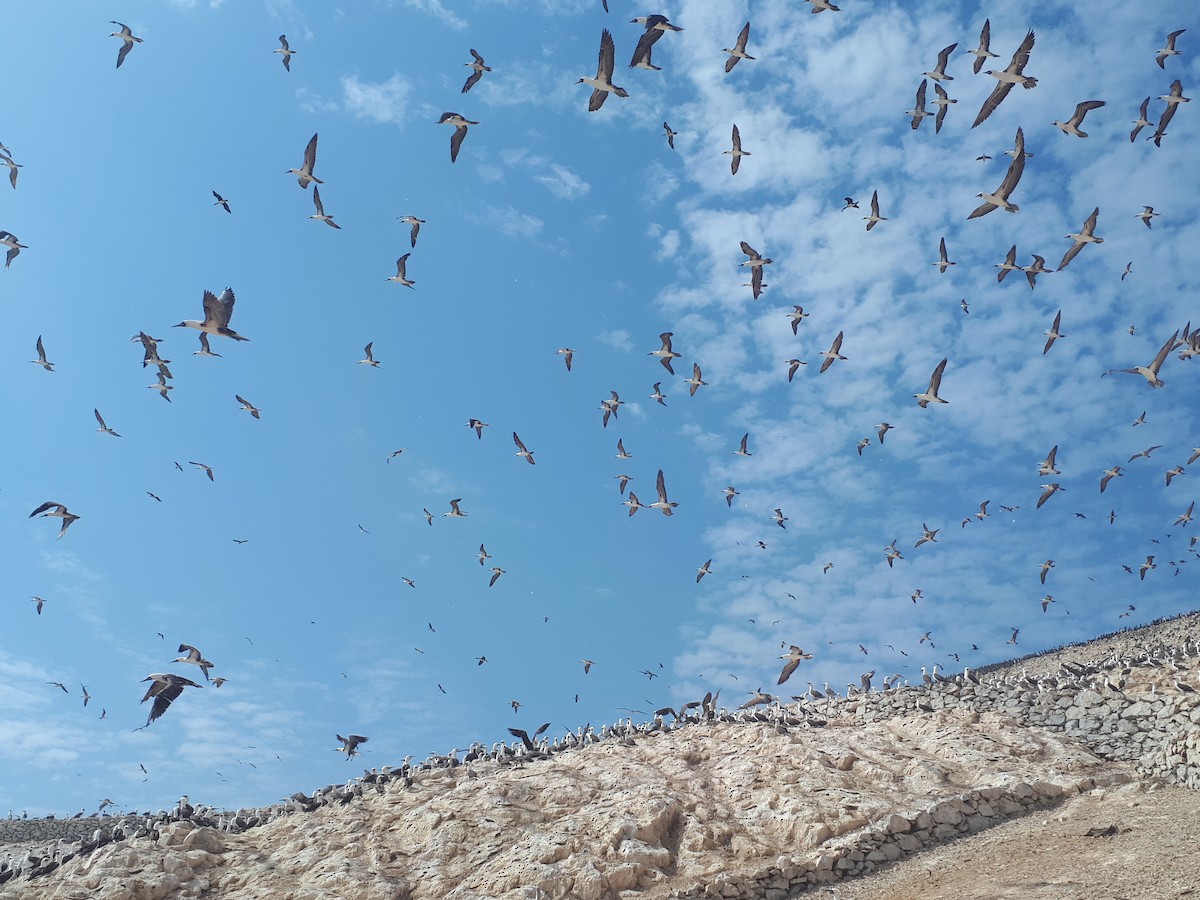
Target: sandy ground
1154 856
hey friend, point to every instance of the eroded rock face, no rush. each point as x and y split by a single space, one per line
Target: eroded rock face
671 812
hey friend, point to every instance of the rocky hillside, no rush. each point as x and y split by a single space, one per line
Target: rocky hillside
766 804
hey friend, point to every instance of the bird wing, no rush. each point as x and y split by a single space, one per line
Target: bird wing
472 80
310 155
935 380
100 419
1082 109
1089 226
1162 354
1021 58
985 40
750 251
317 201
661 486
214 312
606 58
944 57
477 57
788 668
456 140
1015 168
641 51
517 441
994 99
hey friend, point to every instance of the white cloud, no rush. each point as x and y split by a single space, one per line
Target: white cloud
384 102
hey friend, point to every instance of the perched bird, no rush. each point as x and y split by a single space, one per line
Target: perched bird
195 658
370 359
664 353
794 657
350 744
930 394
103 427
983 52
128 41
478 68
1071 126
41 360
1150 372
52 508
833 353
736 153
320 215
1011 75
217 313
1086 236
221 202
738 50
1053 334
943 262
702 571
401 276
461 124
756 262
1168 50
248 406
602 84
874 218
1000 197
165 689
1146 215
670 135
285 51
304 174
522 451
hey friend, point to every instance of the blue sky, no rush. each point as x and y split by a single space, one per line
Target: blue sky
560 228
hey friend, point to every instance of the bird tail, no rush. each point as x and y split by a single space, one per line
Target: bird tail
1029 83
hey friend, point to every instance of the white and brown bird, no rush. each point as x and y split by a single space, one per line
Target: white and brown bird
285 51
1045 568
944 261
1173 99
304 174
350 744
833 353
919 111
222 202
1146 215
1141 121
455 512
703 570
741 450
104 428
930 394
248 406
662 503
1071 126
207 470
41 357
14 245
928 536
1109 475
165 689
1174 473
217 313
664 353
1009 264
128 40
874 218
1150 372
602 84
999 198
496 573
1086 236
567 354
1146 567
1038 267
401 276
738 50
695 382
1168 50
1012 74
194 657
939 71
415 230
478 426
1048 466
369 358
461 125
736 153
1048 491
526 454
794 657
983 52
670 135
54 509
477 67
1053 334
320 214
779 518
943 103
755 262
794 366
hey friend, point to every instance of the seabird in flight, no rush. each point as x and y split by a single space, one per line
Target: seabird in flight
165 689
1109 475
370 356
195 658
794 657
320 216
221 202
1147 214
741 450
126 35
623 482
162 387
1053 334
285 51
822 5
874 218
983 52
304 174
779 518
203 351
1048 465
1048 490
478 68
665 354
622 454
671 135
833 353
602 84
1046 567
1172 473
521 451
738 50
863 443
455 512
919 112
41 360
248 406
1011 75
350 744
1185 517
401 276
736 153
702 571
6 160
1168 50
1085 236
942 102
1141 121
793 366
567 354
1146 567
14 245
1173 100
416 227
496 573
103 427
939 71
217 313
851 203
52 508
662 502
729 493
1071 126
478 426
207 469
756 263
931 393
797 315
695 381
633 503
943 262
40 603
658 394
927 536
461 125
1011 177
1145 453
883 428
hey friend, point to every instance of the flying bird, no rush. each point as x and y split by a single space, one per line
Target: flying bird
221 202
1048 491
659 395
670 135
793 365
1053 334
1168 50
1071 126
478 68
602 84
6 160
54 509
1150 372
939 71
662 502
794 657
14 245
874 218
567 354
304 174
40 603
217 313
461 124
729 494
496 573
1045 567
1011 75
416 227
1109 475
919 112
756 262
741 450
522 451
248 406
931 393
1146 215
126 35
165 689
320 216
370 359
41 360
285 51
695 381
1037 268
455 512
943 262
207 469
927 536
665 354
478 426
738 50
350 744
401 276
1000 197
103 427
1173 99
779 518
833 353
983 52
943 103
1141 121
1146 567
702 571
194 657
1086 236
736 153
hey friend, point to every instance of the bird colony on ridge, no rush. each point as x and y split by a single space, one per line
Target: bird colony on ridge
810 326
